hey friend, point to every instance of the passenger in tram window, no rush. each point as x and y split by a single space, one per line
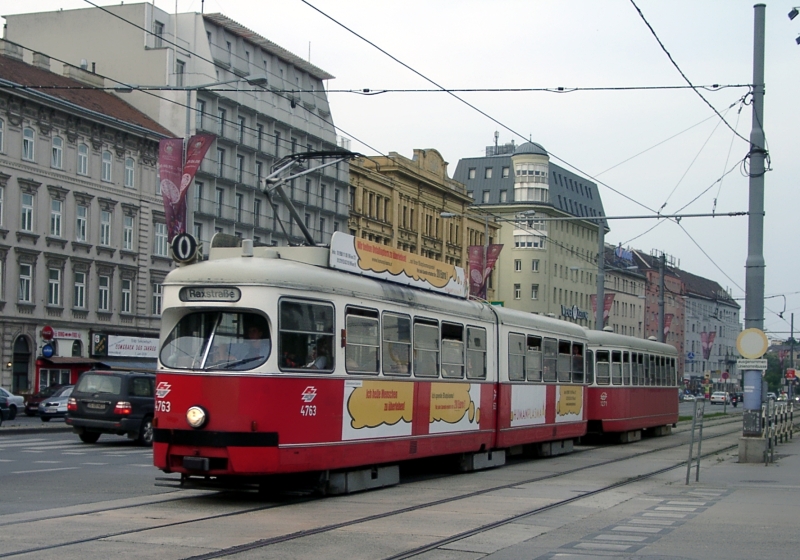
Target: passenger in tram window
320 355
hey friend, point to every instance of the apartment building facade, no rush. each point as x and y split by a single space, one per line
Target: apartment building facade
212 74
83 246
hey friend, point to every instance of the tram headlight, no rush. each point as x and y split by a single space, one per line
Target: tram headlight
197 417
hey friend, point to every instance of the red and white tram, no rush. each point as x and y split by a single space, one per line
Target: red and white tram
632 386
274 362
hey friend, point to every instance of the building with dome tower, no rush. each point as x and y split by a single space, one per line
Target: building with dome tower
546 266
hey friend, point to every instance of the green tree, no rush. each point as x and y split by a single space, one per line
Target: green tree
774 372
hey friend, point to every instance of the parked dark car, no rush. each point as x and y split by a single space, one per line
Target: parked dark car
113 402
55 406
4 410
32 402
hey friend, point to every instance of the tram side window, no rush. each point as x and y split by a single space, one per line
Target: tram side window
361 353
616 367
635 363
577 362
564 358
550 359
589 367
662 377
673 372
626 368
452 350
516 357
476 353
651 370
426 348
603 367
396 344
533 360
306 335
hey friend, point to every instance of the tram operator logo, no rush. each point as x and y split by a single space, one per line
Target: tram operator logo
163 389
308 394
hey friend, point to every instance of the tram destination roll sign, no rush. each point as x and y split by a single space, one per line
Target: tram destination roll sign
210 293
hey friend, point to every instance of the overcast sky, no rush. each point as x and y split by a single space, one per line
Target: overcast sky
491 44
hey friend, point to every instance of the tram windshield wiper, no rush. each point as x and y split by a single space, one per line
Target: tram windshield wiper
235 363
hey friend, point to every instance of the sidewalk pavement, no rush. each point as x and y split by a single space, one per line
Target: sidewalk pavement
32 425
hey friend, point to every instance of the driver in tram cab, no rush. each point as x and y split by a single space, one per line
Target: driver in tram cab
258 343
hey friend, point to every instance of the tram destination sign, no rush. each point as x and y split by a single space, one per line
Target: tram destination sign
743 365
210 293
367 258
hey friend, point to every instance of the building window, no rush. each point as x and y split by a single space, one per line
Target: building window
83 159
487 173
486 195
534 291
471 173
239 204
221 122
259 173
239 168
505 172
127 233
103 285
160 248
503 195
2 130
129 173
180 71
242 123
158 34
56 211
105 228
220 200
25 282
81 219
535 265
517 265
125 306
157 290
2 195
471 194
28 151
277 143
26 214
517 291
106 169
57 161
321 229
79 299
199 113
54 287
198 195
257 213
259 136
220 162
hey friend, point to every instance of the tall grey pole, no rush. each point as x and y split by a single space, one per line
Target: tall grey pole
599 323
662 263
190 188
754 266
791 358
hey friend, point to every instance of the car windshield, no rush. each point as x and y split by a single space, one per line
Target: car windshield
99 383
63 392
218 340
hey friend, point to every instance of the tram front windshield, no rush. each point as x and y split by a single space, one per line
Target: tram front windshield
218 340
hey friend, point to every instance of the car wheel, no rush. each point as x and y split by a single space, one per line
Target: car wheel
13 413
45 418
89 437
146 432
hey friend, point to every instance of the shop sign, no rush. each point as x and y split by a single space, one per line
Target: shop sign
132 346
574 313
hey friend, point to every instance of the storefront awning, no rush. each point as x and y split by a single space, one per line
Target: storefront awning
70 361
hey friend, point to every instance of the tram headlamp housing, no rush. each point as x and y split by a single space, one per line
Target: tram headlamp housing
196 417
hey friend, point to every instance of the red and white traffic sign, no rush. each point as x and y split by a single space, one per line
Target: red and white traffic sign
791 373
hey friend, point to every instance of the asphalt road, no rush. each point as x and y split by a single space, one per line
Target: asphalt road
53 468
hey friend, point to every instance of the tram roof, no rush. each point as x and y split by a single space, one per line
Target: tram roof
610 339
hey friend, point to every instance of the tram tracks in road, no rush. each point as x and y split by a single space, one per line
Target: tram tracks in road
262 543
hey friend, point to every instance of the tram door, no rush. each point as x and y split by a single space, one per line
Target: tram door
21 362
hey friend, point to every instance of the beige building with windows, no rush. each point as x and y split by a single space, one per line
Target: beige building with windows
83 239
547 215
398 202
629 288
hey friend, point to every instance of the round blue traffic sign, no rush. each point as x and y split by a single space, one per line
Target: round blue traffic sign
47 351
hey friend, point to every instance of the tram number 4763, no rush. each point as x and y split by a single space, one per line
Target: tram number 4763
162 406
308 410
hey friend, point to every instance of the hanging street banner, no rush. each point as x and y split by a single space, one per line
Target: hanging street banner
176 175
667 323
608 301
366 258
479 271
707 342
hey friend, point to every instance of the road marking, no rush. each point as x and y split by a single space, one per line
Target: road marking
95 464
50 462
45 470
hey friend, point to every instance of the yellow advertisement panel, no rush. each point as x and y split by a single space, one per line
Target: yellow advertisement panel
377 409
569 403
455 407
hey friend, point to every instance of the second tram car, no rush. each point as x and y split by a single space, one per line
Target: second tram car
632 386
273 362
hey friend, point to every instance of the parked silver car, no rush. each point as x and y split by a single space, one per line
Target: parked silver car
15 403
55 406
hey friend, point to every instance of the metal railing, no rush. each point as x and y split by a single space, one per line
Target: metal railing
778 421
